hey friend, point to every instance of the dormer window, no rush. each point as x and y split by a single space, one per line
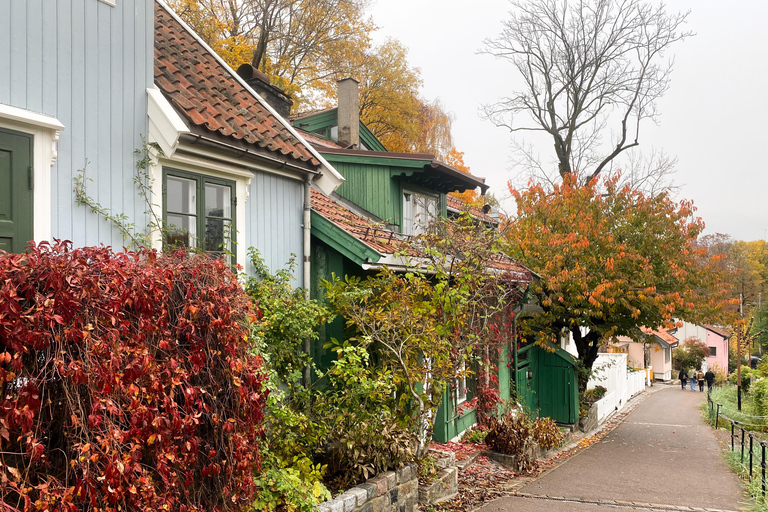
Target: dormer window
419 210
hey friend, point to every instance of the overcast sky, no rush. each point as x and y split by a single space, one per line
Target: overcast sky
713 117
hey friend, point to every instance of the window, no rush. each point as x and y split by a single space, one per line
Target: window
667 355
418 211
712 351
461 385
198 211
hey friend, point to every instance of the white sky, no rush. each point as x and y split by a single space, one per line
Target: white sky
712 118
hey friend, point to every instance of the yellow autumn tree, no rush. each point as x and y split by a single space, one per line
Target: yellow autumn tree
306 46
293 41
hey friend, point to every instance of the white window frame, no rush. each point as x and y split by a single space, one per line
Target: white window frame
410 227
196 165
45 132
461 385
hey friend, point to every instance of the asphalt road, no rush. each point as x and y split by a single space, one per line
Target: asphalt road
662 456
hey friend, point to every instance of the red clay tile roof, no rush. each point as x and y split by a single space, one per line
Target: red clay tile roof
387 242
317 141
718 330
661 333
457 204
370 233
208 96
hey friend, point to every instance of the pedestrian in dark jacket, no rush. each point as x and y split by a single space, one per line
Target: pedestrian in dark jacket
710 378
683 378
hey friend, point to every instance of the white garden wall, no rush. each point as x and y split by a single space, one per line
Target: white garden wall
610 371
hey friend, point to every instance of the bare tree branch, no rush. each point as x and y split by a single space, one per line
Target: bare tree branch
586 64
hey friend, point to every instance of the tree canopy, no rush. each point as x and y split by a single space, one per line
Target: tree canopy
590 68
611 262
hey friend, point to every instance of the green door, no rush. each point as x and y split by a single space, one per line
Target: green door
15 190
557 388
524 382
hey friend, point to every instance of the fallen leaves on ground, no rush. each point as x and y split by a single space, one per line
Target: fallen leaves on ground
485 480
481 482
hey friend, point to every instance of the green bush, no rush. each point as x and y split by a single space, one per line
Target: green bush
476 435
759 397
546 433
746 373
298 487
365 435
428 469
595 394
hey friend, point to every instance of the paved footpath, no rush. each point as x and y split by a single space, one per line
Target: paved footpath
662 456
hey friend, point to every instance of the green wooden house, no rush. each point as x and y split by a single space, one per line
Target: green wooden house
385 197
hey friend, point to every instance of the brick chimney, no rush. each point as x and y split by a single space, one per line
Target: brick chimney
348 113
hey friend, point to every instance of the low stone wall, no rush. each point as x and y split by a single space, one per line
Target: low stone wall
446 484
590 421
393 491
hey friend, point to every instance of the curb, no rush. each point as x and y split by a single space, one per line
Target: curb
619 503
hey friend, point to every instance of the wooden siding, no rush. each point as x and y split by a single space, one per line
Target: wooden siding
273 221
371 187
87 64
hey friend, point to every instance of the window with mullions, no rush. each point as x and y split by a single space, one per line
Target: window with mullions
198 211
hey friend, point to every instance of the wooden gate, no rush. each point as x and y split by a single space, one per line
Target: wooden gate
546 383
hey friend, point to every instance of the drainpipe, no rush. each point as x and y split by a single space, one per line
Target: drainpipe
305 261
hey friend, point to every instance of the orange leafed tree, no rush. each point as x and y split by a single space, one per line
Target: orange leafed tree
612 260
455 159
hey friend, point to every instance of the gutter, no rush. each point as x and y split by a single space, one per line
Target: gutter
306 227
194 139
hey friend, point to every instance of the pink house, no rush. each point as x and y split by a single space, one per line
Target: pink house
657 350
717 341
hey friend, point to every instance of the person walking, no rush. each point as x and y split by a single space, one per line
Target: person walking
683 378
692 380
710 378
700 378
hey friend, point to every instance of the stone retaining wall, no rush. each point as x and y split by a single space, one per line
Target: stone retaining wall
590 421
393 491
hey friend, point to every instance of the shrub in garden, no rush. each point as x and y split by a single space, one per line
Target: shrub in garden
759 397
367 430
340 429
289 477
546 433
476 435
595 394
509 434
127 382
746 373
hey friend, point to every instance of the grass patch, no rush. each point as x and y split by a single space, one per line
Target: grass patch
726 396
756 501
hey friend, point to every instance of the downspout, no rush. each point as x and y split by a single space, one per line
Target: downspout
305 263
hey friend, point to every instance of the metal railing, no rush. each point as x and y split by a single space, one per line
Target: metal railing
746 441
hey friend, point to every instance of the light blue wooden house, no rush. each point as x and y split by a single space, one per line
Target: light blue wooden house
88 82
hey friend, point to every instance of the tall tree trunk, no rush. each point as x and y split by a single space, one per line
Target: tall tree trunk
587 346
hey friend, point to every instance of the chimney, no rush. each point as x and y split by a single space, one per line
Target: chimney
272 94
348 115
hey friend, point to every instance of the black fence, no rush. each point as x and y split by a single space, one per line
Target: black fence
745 441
